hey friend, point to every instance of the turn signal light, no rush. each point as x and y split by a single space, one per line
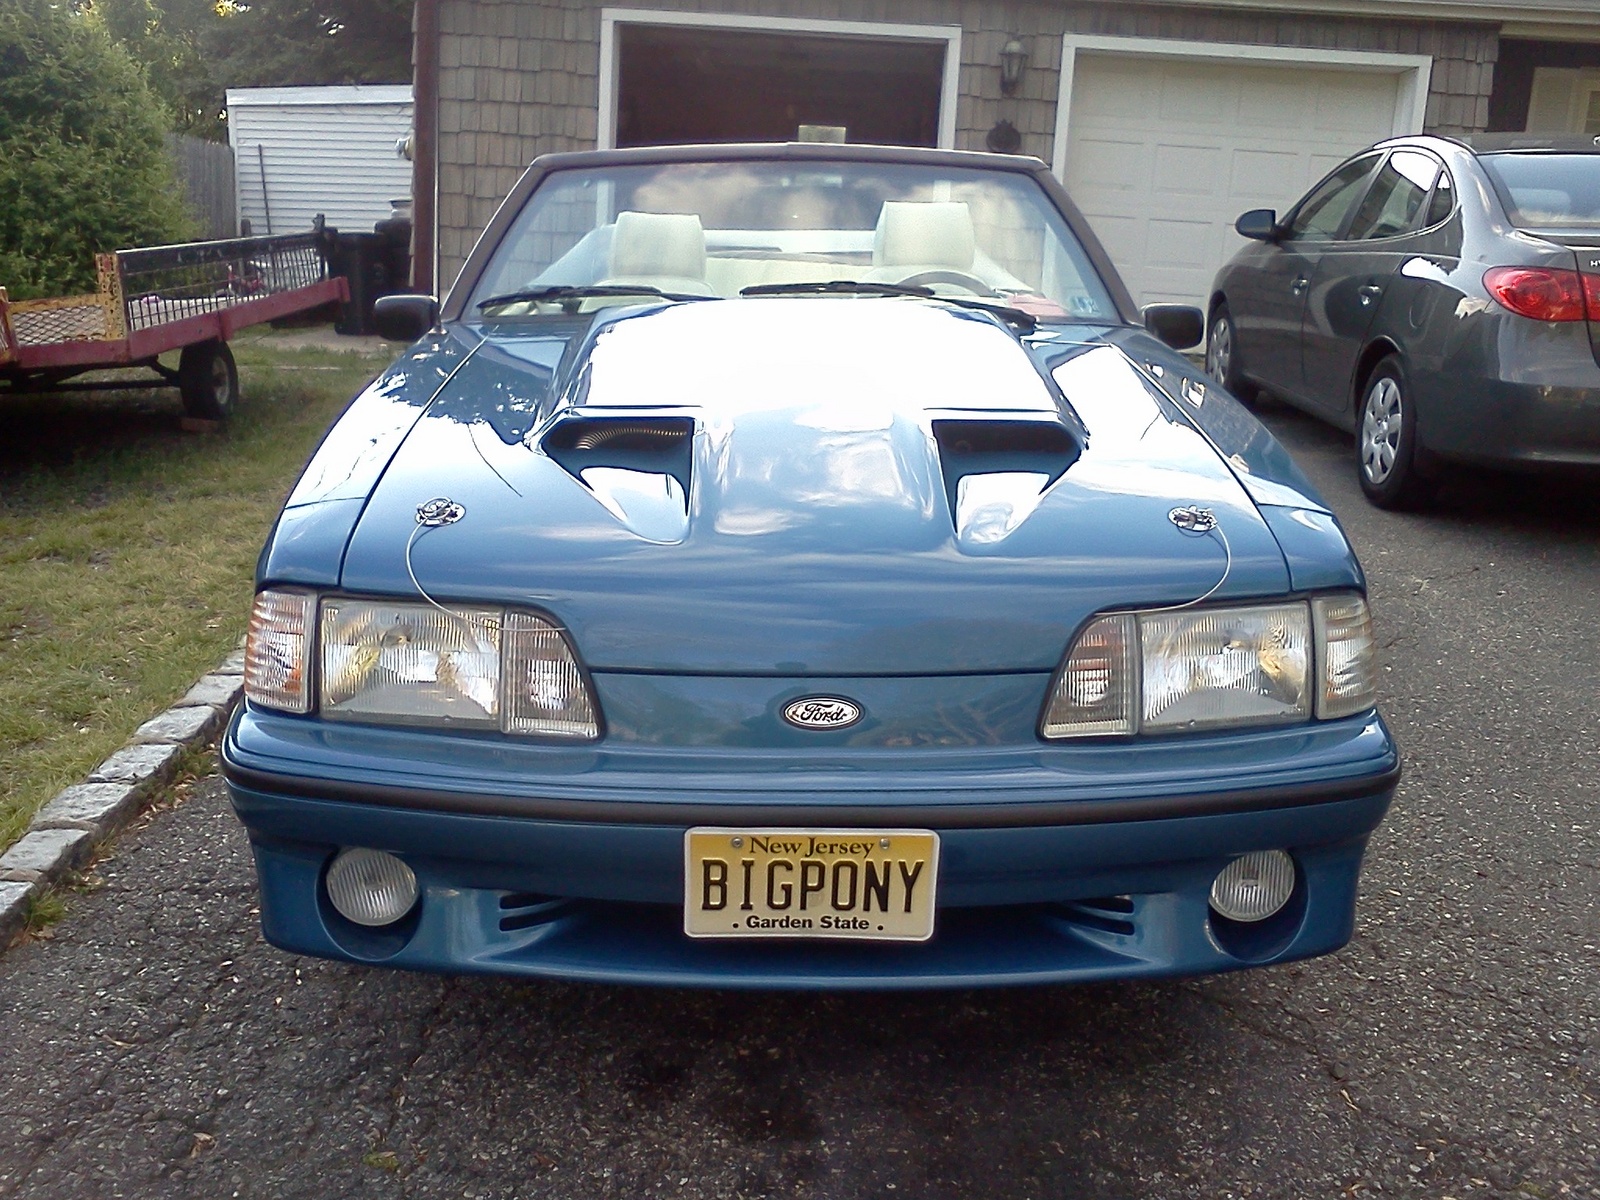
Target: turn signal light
1545 293
277 652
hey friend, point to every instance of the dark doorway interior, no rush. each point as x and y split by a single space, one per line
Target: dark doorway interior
1513 76
680 84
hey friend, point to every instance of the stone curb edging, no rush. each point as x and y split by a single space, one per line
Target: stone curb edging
65 833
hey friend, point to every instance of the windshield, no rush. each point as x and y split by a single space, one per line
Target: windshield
716 229
1548 191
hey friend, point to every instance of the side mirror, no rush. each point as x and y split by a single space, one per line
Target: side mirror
404 318
1259 225
1181 326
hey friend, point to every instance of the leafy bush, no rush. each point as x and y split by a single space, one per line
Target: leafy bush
82 163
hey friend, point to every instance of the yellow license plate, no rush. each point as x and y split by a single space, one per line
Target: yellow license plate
865 884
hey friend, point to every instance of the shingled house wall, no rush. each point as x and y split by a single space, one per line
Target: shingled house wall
520 78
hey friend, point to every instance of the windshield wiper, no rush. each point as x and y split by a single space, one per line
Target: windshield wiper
575 292
855 287
1024 321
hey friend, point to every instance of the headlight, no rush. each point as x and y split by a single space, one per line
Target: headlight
1226 666
1210 668
415 664
410 663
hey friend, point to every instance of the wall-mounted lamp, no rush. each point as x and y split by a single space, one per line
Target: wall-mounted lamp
1013 56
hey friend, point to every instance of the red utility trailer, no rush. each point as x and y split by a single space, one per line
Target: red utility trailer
190 298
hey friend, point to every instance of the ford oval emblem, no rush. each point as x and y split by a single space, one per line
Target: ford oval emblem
822 712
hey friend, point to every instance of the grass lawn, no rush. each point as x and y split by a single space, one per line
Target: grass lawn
127 549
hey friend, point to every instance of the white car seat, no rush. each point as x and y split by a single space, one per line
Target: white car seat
661 250
913 237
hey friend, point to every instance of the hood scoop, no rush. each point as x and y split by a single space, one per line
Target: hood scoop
996 473
638 468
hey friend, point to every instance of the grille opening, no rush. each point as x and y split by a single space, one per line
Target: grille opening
663 445
1116 904
1106 914
524 910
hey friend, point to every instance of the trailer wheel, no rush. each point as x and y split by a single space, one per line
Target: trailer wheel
208 381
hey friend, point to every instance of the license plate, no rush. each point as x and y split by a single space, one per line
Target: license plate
864 884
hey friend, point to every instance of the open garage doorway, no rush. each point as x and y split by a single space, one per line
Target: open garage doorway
678 82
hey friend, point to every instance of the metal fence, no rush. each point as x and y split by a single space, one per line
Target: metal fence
205 170
141 289
169 283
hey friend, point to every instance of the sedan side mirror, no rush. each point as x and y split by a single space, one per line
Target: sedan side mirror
1259 225
1181 326
404 318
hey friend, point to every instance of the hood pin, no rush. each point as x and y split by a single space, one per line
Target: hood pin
1193 519
440 511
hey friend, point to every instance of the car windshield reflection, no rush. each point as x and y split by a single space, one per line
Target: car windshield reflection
591 238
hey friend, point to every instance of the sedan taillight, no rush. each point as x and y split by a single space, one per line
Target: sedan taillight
1545 293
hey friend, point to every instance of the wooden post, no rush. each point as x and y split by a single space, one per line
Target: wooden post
8 343
112 303
425 147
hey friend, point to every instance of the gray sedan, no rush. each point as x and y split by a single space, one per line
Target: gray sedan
1438 299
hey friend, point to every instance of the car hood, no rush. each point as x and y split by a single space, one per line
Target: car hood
809 486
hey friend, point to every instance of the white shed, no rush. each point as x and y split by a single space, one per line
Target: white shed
300 151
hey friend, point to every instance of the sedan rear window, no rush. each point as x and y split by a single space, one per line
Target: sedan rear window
1548 191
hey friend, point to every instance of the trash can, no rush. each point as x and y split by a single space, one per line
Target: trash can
373 264
359 257
396 252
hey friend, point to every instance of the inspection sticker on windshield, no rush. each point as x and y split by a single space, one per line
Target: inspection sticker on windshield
864 884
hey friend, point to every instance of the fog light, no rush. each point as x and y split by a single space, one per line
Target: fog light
370 887
1254 887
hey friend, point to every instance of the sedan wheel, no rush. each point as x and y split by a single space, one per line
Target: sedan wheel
1222 356
1386 442
1381 422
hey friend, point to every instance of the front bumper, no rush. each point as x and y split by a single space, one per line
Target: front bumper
1056 865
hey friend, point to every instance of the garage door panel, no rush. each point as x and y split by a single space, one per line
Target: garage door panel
1171 243
1263 174
1198 98
1121 89
1277 103
1167 287
1185 170
1342 109
1123 237
1163 154
1113 166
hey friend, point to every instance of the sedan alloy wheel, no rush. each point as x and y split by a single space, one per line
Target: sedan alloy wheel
1386 441
1222 356
1219 349
1382 420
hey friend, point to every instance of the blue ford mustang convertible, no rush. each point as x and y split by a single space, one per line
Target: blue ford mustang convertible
802 566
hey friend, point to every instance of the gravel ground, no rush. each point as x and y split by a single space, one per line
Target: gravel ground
154 1046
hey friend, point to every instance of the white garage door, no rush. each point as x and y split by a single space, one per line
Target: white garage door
1164 154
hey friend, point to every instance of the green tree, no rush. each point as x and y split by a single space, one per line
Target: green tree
194 50
319 41
83 167
178 43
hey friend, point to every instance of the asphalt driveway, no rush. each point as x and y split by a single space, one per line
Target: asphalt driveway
156 1047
